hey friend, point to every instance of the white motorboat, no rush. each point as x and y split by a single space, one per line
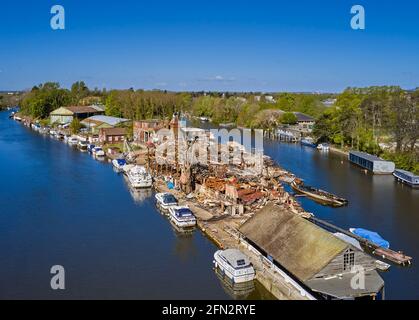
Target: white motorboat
182 216
165 200
73 141
98 152
323 147
138 177
235 265
119 164
82 145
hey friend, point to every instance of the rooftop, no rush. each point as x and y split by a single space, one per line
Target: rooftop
112 121
366 156
114 131
300 246
303 117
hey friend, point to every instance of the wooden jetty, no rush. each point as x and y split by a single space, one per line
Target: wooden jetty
387 254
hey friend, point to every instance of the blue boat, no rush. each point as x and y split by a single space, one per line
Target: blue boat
407 177
309 142
372 236
119 164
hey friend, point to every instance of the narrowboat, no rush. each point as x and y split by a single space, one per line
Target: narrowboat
407 177
235 265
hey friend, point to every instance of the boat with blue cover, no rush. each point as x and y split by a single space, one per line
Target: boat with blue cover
371 236
407 177
119 164
182 216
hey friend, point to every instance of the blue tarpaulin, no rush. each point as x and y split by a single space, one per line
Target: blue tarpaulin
170 185
374 237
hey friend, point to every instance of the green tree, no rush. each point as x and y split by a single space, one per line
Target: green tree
75 126
288 118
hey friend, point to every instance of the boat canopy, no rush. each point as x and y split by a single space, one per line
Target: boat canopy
372 236
169 198
121 162
183 212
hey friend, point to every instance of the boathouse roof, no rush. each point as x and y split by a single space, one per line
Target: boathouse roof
366 156
112 121
300 246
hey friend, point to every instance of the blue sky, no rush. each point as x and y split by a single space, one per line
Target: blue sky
210 45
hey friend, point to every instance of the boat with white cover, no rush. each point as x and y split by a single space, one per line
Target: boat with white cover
235 265
73 141
98 152
182 216
165 200
138 177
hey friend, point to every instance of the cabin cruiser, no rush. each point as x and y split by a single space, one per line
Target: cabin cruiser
138 177
371 236
82 145
165 200
52 133
90 147
98 152
323 147
72 141
182 216
119 164
60 136
235 265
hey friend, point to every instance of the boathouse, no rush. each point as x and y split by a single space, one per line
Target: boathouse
95 123
65 115
372 163
112 135
305 122
314 257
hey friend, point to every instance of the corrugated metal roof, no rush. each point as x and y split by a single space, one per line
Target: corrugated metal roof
112 121
366 156
300 246
303 117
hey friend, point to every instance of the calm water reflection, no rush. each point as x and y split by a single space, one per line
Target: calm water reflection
60 206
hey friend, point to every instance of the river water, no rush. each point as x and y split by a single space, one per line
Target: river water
61 207
376 202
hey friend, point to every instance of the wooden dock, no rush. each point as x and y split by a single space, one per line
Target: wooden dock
386 254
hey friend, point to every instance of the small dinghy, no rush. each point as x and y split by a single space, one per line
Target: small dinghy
372 236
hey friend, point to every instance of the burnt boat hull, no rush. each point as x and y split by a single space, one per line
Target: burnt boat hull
319 196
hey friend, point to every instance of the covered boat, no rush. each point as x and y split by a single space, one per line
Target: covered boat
235 265
182 216
165 200
138 177
372 236
119 164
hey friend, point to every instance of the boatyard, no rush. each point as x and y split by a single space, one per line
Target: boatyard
235 203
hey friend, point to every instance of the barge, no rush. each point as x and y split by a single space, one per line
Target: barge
406 177
318 195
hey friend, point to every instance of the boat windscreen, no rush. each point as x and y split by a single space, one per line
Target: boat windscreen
241 262
184 212
169 198
121 162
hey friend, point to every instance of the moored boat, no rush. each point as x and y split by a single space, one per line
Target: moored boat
182 216
371 236
138 177
165 200
98 152
323 147
235 265
309 142
73 141
82 145
119 164
407 177
318 195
